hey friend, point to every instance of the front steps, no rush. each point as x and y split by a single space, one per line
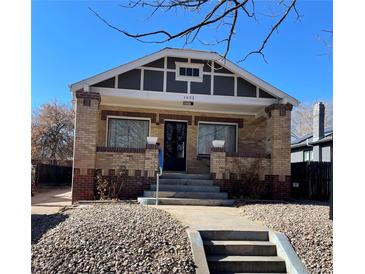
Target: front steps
193 195
241 252
186 189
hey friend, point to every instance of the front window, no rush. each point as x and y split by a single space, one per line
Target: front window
127 133
308 156
210 132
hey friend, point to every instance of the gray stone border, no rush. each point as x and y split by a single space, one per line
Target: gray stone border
197 248
285 250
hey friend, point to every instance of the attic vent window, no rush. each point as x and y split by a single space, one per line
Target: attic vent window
189 72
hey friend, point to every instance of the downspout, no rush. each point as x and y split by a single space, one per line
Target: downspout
307 143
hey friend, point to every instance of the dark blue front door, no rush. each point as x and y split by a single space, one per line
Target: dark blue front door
175 146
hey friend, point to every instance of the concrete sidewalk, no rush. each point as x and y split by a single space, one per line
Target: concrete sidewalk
212 218
51 200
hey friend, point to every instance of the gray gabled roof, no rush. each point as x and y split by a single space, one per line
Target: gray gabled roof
308 139
186 53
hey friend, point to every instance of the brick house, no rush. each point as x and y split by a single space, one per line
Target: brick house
186 98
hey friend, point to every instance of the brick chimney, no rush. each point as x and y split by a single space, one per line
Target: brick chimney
318 121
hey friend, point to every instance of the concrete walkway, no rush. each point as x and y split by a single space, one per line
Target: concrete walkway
51 200
212 218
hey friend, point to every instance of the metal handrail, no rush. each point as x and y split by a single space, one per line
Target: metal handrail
158 184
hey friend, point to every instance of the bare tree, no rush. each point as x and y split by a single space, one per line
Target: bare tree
302 119
326 39
222 14
52 132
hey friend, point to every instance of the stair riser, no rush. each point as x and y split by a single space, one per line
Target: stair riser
178 188
235 235
184 201
186 176
254 267
195 182
242 250
192 195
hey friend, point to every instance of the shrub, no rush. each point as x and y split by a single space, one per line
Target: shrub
248 185
110 187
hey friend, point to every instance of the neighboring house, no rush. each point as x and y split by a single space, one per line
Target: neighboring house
186 98
317 146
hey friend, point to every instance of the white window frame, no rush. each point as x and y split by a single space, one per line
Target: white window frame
125 118
215 123
179 77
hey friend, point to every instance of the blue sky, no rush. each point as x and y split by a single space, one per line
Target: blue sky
69 44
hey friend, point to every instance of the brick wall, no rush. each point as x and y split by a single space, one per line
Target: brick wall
228 171
133 186
142 164
251 136
272 159
83 185
138 162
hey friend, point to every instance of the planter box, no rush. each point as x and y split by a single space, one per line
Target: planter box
151 140
218 143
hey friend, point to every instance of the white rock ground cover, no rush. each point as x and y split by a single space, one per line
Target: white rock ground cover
306 225
119 238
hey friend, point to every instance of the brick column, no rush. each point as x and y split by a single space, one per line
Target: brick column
151 162
279 116
86 125
218 163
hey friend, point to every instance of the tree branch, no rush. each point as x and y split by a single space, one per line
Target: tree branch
274 28
224 12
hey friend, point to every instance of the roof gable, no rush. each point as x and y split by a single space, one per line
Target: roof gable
206 59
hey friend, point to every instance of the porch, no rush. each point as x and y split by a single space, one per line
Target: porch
257 138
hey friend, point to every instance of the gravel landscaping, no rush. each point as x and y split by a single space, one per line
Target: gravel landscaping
306 225
42 223
119 238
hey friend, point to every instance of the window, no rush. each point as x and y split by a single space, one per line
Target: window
308 156
189 72
210 132
127 133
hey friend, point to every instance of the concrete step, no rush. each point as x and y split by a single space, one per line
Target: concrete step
185 176
187 188
196 182
193 195
185 201
243 248
255 264
233 235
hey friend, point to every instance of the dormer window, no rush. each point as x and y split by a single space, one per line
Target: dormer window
189 72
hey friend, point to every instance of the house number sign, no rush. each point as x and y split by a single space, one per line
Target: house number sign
188 100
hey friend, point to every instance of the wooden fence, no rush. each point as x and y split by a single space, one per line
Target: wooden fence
53 175
311 180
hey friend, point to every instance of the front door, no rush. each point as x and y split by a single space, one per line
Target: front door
175 146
